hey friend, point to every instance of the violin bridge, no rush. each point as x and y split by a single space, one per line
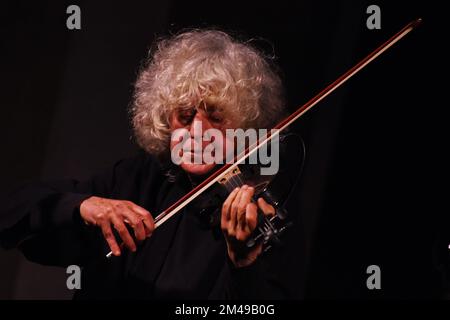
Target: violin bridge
229 180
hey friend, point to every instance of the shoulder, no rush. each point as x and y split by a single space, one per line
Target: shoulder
140 163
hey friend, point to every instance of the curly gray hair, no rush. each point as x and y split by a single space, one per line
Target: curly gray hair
203 66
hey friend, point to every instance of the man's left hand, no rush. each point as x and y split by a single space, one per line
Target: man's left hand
238 221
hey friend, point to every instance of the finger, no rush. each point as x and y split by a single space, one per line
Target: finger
233 212
138 209
146 218
123 232
246 198
244 229
266 208
251 217
134 220
110 239
149 223
227 205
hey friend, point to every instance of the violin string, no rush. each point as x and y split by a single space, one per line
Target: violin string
239 181
234 181
232 184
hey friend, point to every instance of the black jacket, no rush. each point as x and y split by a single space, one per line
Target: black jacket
183 259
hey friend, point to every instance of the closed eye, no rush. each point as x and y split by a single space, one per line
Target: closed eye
186 116
215 117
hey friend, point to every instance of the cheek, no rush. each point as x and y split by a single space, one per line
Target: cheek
176 138
173 143
174 123
228 146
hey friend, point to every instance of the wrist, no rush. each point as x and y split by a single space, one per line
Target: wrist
244 259
82 210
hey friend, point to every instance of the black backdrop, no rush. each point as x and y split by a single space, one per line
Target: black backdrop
364 197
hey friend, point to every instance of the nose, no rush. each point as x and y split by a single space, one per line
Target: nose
199 125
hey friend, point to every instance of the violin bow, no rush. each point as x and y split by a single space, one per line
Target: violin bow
282 125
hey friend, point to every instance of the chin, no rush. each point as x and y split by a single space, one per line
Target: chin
197 169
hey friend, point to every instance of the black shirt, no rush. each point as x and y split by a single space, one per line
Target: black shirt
183 259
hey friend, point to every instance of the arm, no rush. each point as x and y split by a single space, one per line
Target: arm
44 220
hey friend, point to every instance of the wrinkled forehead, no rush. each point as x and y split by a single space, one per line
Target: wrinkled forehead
206 106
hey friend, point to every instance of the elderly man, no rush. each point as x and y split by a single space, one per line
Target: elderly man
200 78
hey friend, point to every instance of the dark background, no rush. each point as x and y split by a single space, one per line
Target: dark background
368 194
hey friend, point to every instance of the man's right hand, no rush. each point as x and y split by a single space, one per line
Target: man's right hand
105 213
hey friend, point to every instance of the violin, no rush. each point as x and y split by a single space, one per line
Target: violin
275 189
208 196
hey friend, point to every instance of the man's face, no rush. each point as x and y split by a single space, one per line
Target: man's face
197 121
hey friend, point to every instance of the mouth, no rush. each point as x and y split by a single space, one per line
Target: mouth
192 154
